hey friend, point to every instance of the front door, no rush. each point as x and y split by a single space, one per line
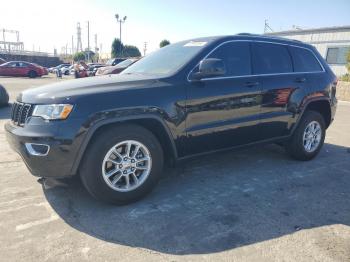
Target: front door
223 112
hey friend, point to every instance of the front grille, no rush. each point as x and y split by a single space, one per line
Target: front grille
20 113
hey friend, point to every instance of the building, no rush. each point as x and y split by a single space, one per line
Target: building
333 43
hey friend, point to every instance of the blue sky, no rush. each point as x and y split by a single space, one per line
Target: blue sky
225 17
52 25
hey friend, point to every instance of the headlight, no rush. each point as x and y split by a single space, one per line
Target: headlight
52 112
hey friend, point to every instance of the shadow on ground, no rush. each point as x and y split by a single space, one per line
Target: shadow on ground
218 202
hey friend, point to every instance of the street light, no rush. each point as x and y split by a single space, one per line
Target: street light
120 21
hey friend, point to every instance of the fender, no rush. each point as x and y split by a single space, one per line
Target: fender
91 131
304 106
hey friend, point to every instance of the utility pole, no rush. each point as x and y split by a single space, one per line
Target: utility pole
88 29
267 27
120 21
79 44
72 45
145 49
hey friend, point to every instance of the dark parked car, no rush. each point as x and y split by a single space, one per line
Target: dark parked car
117 69
114 61
93 67
4 97
21 68
2 61
186 99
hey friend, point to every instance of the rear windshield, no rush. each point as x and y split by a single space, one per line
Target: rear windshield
125 63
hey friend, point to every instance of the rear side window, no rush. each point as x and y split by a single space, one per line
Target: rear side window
304 60
236 57
271 59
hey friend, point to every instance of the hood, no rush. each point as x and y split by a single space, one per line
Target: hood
103 68
65 91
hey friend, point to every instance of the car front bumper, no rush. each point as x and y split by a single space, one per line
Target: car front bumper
56 162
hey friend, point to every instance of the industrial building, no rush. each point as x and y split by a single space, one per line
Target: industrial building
333 43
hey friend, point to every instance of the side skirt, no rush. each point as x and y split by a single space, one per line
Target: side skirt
263 142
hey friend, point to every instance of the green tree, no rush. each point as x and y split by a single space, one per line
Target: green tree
164 42
117 48
79 56
131 51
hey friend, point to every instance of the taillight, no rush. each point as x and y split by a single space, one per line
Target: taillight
334 88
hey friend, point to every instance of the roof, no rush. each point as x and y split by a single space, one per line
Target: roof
311 30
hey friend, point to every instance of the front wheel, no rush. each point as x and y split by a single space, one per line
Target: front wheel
32 74
308 138
122 164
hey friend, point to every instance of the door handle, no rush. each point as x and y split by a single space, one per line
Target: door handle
300 79
251 84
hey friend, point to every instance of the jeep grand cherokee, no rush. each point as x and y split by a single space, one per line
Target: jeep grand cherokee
186 99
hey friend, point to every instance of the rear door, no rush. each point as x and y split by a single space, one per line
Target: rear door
309 70
273 62
224 111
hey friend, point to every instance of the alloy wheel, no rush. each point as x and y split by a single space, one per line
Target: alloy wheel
126 166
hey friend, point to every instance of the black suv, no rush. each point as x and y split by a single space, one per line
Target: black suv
186 99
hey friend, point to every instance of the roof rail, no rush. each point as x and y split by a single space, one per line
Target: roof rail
269 36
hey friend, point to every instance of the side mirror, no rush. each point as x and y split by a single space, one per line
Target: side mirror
210 67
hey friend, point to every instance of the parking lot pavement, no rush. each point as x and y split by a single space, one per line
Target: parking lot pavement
250 205
15 85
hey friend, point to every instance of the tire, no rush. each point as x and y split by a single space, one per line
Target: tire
93 165
296 146
32 74
66 73
4 97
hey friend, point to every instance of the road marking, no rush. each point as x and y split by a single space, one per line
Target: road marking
25 226
19 200
20 207
53 217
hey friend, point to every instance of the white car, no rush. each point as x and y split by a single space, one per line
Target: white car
66 70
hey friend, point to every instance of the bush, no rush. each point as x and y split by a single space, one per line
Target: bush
131 51
117 48
345 77
79 56
164 42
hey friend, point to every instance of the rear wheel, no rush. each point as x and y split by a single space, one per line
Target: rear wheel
308 138
32 74
122 164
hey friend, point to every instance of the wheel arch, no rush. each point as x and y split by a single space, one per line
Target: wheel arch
321 106
151 122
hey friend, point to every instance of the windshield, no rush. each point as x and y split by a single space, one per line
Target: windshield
114 61
167 60
125 63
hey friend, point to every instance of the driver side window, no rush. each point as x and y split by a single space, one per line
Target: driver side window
236 57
